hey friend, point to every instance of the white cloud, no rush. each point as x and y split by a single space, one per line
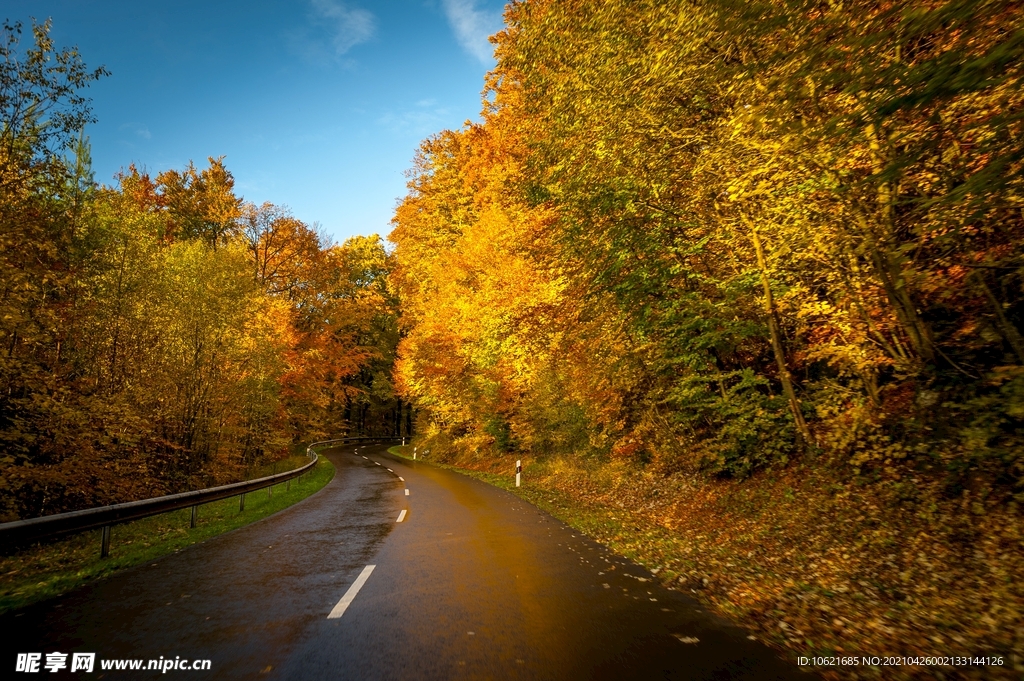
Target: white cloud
346 26
138 128
473 26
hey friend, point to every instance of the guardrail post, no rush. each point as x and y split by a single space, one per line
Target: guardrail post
241 502
195 516
105 542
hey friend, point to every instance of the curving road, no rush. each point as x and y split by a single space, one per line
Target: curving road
472 583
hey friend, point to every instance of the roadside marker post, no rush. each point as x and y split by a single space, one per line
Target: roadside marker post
413 453
105 542
519 470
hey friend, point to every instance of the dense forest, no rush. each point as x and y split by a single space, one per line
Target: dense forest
741 284
161 333
716 236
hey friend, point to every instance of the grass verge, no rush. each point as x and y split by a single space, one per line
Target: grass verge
54 568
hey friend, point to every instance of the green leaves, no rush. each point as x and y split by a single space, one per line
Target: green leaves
42 110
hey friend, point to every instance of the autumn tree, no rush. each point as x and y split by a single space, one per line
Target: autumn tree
201 204
162 334
774 228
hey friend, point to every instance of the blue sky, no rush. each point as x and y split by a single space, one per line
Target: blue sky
316 104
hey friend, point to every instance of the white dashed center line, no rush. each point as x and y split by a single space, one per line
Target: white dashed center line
391 470
401 478
350 595
401 516
406 492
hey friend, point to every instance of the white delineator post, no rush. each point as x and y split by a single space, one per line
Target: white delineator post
519 470
413 453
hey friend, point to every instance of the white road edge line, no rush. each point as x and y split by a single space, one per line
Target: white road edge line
350 595
401 516
406 491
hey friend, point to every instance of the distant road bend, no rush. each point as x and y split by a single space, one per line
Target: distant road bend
396 570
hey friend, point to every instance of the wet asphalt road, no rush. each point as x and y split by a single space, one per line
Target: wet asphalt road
473 583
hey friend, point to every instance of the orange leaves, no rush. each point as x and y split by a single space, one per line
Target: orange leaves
284 251
201 204
183 335
472 287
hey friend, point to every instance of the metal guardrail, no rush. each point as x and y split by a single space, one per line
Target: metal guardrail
34 529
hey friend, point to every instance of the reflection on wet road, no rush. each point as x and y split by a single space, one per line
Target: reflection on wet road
468 582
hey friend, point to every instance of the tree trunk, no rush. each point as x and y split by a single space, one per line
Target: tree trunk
888 270
773 329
